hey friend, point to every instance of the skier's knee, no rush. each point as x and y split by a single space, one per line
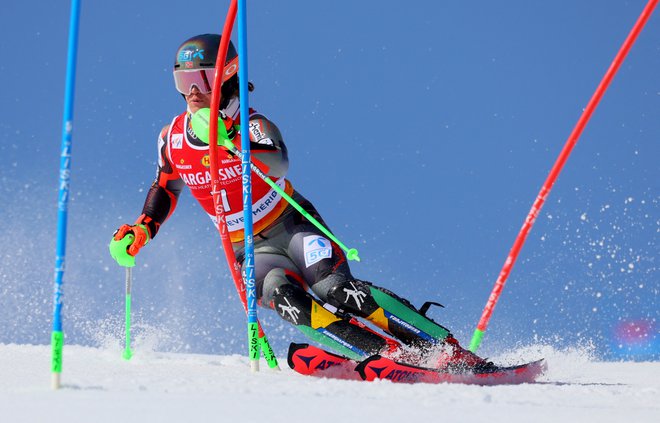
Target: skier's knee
273 280
293 304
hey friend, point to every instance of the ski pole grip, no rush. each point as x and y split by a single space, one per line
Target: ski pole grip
352 254
119 251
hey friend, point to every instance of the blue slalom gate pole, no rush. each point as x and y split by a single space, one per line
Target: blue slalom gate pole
57 338
249 272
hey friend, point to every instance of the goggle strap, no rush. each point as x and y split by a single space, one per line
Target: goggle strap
230 69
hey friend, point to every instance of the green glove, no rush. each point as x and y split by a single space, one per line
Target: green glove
200 124
127 242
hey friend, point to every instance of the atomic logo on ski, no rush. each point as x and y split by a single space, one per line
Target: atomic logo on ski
402 376
377 370
307 360
392 373
322 363
326 364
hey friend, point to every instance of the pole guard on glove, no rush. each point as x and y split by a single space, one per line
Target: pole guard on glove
127 241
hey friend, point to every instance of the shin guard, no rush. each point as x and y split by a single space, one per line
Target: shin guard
389 312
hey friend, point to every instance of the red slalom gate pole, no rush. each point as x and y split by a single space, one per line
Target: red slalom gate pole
216 95
554 173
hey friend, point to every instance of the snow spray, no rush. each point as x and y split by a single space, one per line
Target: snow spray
554 173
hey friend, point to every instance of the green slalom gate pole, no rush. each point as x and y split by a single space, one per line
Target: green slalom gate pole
201 123
554 173
127 354
57 337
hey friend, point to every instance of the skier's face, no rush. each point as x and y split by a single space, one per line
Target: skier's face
197 100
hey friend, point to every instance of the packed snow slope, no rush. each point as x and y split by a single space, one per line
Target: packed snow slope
423 148
169 387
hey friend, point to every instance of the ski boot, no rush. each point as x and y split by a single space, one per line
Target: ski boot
325 324
434 344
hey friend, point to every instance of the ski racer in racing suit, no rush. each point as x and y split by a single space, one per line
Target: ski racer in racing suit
292 257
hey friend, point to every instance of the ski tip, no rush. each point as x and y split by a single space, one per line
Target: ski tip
536 368
365 371
513 375
377 367
314 361
293 348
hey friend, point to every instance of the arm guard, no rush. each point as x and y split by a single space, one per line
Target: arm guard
267 146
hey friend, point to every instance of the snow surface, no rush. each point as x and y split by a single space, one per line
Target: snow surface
98 386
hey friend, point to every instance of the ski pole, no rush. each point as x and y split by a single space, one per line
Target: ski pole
202 122
554 173
127 346
234 267
57 337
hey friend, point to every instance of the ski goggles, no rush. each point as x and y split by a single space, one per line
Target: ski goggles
185 79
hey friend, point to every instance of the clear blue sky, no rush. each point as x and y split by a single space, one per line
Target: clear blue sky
421 130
